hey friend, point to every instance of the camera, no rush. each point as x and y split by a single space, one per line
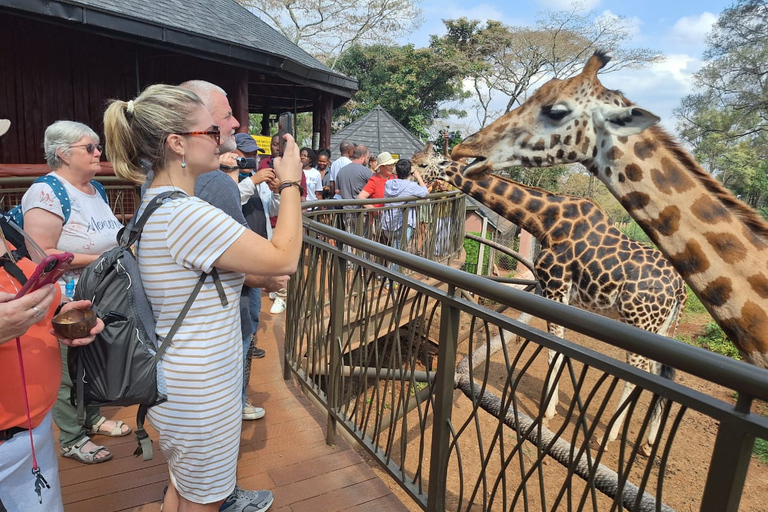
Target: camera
246 163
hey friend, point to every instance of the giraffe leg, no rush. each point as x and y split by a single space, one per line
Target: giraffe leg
653 427
555 362
638 362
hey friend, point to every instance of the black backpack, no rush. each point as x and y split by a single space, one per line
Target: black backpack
122 366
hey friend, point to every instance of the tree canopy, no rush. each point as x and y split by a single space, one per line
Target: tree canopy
726 119
412 84
510 61
326 28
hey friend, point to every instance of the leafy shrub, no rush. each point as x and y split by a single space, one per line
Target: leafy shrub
693 305
472 248
761 450
715 340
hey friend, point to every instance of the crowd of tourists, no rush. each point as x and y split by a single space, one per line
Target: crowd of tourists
244 223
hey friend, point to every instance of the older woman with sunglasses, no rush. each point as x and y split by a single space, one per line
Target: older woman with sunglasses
73 152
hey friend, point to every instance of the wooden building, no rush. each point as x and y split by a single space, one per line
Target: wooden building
64 59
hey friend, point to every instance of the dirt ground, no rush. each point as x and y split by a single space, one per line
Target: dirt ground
686 468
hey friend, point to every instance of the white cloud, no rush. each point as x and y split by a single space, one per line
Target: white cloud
659 88
690 31
567 5
633 23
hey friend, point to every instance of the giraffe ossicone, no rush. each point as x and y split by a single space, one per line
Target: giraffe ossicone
717 243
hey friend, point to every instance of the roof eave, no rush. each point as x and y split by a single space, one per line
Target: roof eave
185 42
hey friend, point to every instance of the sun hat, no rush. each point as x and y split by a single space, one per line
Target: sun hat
4 125
246 144
385 158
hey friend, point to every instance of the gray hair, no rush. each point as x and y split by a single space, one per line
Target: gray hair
203 89
62 134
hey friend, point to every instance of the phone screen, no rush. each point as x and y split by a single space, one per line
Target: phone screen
47 272
284 125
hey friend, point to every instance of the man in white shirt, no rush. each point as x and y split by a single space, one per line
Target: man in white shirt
346 149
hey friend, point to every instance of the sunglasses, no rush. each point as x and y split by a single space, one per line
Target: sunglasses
213 133
90 148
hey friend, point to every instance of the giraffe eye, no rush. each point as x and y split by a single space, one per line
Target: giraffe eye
556 112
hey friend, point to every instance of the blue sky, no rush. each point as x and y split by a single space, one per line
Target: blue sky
676 28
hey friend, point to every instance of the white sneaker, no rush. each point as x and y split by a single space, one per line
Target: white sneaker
272 295
251 412
278 306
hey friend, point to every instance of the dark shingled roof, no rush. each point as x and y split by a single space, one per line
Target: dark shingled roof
219 29
379 131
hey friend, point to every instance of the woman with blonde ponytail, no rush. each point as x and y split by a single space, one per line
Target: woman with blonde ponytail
168 130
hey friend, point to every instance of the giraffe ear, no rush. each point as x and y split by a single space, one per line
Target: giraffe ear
625 121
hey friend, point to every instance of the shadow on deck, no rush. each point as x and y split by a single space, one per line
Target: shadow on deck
284 452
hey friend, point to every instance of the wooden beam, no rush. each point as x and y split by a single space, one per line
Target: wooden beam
322 115
240 101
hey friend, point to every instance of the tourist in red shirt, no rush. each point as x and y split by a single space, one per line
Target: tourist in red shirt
375 187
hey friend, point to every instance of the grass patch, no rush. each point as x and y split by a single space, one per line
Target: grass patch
693 305
713 338
761 450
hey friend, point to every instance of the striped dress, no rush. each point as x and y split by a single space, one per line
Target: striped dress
200 423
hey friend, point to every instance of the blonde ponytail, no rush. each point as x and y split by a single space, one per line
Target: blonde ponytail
135 131
119 143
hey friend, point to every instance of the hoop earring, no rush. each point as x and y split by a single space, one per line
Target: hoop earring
183 162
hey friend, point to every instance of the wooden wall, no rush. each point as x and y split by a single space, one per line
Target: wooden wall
50 72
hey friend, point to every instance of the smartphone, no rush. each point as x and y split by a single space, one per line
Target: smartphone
47 272
284 125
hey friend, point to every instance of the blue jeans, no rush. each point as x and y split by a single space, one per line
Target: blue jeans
254 308
17 484
396 237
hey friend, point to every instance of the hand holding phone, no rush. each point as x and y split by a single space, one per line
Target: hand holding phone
284 125
47 272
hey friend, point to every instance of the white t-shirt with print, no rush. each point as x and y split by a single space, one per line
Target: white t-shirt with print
314 183
92 227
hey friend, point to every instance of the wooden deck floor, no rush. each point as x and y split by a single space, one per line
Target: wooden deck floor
284 452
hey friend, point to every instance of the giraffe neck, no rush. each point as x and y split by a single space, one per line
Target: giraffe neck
718 245
533 209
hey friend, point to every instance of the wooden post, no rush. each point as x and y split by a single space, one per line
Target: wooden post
322 115
526 247
481 249
240 102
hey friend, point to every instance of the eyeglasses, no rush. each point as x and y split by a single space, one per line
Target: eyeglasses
90 148
213 133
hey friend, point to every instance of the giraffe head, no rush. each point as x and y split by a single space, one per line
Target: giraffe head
435 167
563 122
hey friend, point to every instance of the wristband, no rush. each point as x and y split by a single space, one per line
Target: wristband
284 185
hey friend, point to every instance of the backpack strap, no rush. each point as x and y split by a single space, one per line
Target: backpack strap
59 191
13 269
132 232
101 190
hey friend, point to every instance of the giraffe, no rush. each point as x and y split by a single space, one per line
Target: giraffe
584 261
718 244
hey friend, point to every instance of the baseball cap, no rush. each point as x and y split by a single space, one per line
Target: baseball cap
246 144
5 124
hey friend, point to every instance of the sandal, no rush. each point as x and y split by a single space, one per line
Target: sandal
75 452
117 430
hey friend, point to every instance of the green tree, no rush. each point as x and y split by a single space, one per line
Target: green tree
510 61
412 84
726 119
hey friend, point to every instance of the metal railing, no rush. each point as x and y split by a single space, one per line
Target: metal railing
432 227
447 395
